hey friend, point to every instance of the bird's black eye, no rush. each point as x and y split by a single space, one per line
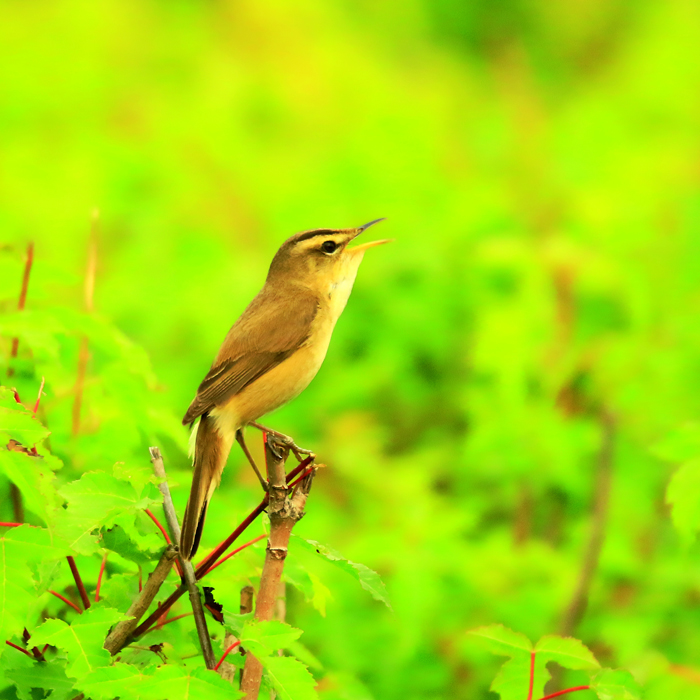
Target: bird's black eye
328 246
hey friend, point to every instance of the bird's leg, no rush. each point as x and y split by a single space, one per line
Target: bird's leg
241 441
286 440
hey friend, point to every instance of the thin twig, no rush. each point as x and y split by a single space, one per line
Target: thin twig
38 398
14 646
230 648
11 524
168 621
84 352
122 632
235 551
564 692
22 301
68 602
78 582
99 577
187 568
579 600
165 535
284 513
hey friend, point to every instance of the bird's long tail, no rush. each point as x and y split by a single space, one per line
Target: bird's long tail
211 450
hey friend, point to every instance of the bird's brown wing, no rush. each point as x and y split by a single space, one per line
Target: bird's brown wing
271 329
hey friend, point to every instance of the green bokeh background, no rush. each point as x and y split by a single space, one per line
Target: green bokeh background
537 163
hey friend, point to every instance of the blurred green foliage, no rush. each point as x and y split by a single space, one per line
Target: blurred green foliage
537 163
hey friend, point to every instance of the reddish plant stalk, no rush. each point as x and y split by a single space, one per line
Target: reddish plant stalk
22 299
564 692
38 398
167 537
14 646
68 602
235 551
78 582
532 675
168 621
99 577
10 524
226 653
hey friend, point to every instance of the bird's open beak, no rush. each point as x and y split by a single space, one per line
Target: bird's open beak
369 244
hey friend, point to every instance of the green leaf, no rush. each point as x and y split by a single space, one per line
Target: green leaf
567 652
119 590
36 547
614 684
310 585
83 640
265 638
17 422
513 679
109 682
290 678
177 683
369 580
96 499
34 478
27 673
683 494
117 540
501 640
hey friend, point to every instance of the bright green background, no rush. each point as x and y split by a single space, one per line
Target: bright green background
538 165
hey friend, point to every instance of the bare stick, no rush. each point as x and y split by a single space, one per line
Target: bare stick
205 566
284 513
120 634
84 352
579 600
228 671
187 569
78 582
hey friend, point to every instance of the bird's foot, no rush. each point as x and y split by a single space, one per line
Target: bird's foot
287 441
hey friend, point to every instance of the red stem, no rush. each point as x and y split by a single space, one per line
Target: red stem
10 524
302 477
167 622
532 675
564 692
99 577
22 299
14 646
165 534
38 398
65 600
78 582
226 653
235 551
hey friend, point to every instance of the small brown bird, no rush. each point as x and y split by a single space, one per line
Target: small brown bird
270 355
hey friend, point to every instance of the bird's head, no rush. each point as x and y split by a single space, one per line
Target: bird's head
321 256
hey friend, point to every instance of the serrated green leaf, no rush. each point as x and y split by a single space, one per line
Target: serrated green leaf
18 590
82 640
177 683
683 494
615 684
116 539
369 579
109 682
265 638
34 479
310 585
567 652
119 590
96 499
17 422
290 678
501 640
28 673
513 679
37 548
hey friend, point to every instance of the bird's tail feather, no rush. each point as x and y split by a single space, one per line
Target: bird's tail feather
211 450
